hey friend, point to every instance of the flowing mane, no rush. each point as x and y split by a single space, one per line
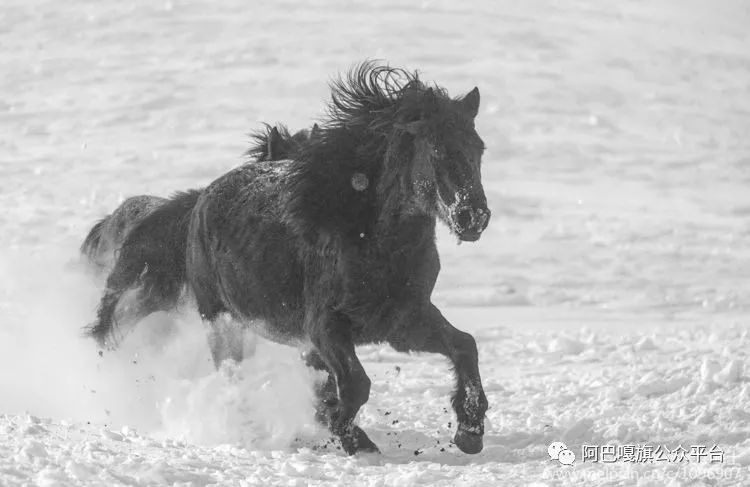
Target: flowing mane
369 97
363 134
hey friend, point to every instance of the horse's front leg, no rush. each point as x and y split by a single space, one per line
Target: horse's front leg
334 352
426 330
326 392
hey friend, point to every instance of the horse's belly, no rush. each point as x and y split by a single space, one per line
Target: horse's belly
261 279
274 331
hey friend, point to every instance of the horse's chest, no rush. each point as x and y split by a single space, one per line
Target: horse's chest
380 277
385 280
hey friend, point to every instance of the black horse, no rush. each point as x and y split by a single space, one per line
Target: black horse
336 247
106 237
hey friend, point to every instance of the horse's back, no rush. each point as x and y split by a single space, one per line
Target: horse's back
241 256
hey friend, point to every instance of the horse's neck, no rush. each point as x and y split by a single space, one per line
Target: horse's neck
397 231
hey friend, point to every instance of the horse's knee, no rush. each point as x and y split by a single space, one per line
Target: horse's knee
363 389
465 345
356 390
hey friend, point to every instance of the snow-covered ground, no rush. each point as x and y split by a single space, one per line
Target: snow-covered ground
610 296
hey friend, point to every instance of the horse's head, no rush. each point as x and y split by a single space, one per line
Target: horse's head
446 165
416 145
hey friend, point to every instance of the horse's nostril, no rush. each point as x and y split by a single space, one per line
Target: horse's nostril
483 219
464 217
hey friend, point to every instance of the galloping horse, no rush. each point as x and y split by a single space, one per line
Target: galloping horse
334 247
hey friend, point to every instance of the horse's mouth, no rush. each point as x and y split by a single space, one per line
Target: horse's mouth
469 236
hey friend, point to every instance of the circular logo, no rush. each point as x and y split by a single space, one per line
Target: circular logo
360 182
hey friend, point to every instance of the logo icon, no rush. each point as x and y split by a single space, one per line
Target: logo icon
558 450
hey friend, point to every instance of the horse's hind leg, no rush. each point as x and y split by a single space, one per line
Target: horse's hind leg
426 330
120 310
225 335
226 339
144 302
123 277
132 294
335 349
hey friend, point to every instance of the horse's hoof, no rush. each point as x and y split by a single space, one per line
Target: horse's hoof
468 442
358 442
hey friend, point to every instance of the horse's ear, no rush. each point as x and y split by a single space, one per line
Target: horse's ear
470 102
274 142
315 131
430 101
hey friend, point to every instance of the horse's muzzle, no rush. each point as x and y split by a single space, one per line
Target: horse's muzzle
470 222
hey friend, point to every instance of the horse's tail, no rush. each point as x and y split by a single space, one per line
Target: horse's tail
152 257
90 245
